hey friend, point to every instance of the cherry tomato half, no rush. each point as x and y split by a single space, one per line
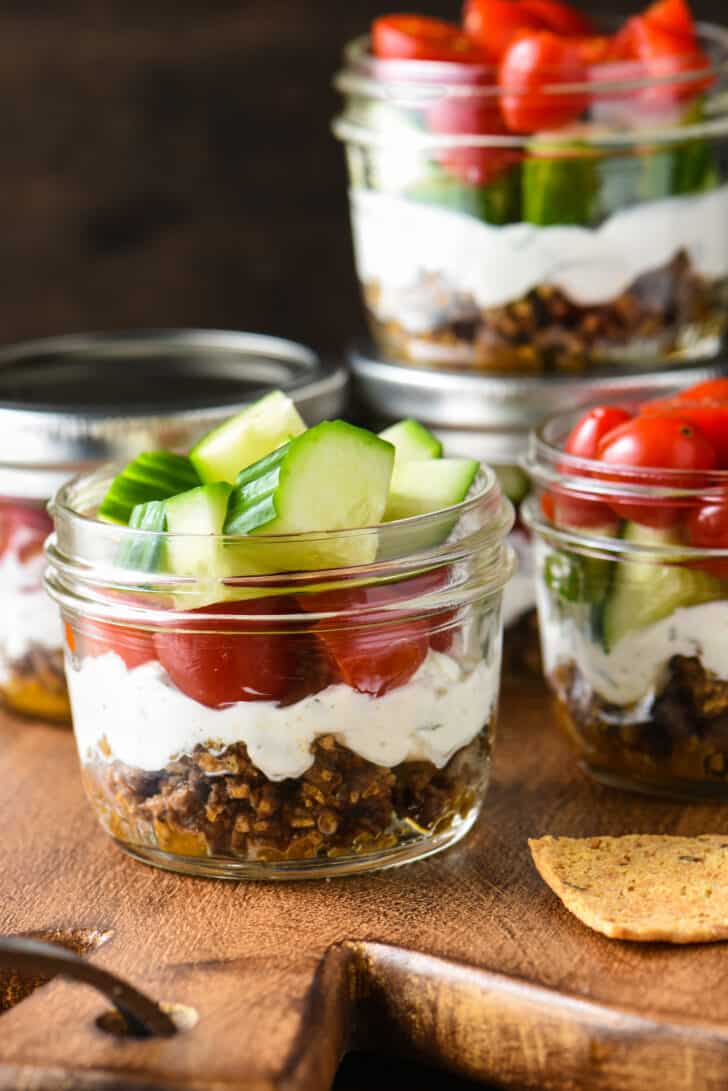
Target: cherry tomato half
420 38
90 639
655 443
707 528
711 390
481 117
531 64
375 654
594 49
664 55
560 17
495 24
586 435
710 418
672 15
240 663
23 529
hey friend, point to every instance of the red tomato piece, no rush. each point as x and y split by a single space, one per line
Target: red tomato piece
711 419
594 49
533 63
666 55
480 117
93 638
707 528
672 15
495 24
376 653
560 17
244 661
592 427
711 390
655 443
420 38
23 529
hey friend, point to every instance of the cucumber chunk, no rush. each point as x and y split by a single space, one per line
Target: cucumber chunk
412 442
644 592
143 553
514 482
154 475
333 477
198 515
429 485
247 437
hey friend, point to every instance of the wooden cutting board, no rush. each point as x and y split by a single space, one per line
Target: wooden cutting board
466 960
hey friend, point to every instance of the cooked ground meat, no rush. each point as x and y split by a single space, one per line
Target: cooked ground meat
684 739
35 684
663 312
220 804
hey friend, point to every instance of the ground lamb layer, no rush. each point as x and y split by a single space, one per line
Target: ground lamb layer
685 737
35 684
547 331
220 804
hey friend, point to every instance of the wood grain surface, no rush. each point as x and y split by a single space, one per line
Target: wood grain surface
466 960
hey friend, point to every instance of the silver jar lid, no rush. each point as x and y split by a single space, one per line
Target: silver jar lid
69 403
489 416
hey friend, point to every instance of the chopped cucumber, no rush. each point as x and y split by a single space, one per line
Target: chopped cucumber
199 516
581 577
429 485
497 203
245 438
154 475
333 477
143 552
412 442
514 482
561 186
643 592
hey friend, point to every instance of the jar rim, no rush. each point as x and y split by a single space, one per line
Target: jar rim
83 553
420 83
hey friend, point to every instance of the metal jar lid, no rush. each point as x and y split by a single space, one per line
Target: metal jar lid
68 403
489 416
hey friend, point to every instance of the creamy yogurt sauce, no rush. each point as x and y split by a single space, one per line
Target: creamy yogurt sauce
147 722
396 240
27 614
632 671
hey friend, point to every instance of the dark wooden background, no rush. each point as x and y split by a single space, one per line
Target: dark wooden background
169 162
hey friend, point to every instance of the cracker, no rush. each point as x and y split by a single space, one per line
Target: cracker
671 889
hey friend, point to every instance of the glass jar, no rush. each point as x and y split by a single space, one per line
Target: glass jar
633 619
69 403
284 726
488 417
602 242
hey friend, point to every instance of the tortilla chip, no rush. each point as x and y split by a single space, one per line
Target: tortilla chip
671 889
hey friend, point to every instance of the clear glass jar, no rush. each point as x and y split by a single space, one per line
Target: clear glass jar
284 726
633 619
71 403
32 681
602 242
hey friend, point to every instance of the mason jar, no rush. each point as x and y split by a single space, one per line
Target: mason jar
489 417
633 618
292 725
603 242
70 403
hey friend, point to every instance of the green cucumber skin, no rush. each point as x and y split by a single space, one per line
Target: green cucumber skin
144 554
498 203
153 475
252 503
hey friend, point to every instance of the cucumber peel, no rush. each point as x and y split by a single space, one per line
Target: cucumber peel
644 592
154 475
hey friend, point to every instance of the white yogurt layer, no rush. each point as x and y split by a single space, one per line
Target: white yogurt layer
396 240
27 614
147 722
634 669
